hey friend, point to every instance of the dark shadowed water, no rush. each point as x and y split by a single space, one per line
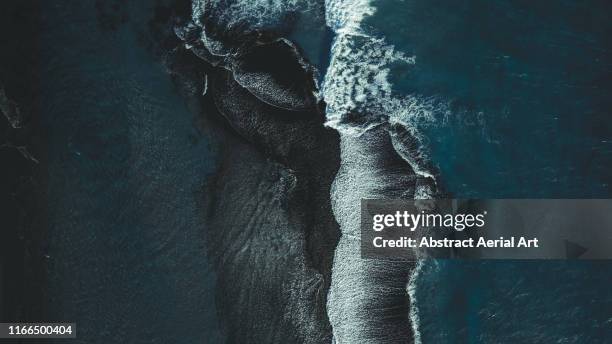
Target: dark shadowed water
126 171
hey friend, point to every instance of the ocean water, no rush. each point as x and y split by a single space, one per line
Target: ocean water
525 87
502 99
521 93
126 170
505 99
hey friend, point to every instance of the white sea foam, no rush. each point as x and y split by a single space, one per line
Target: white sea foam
345 16
374 124
246 16
257 14
415 318
357 89
367 297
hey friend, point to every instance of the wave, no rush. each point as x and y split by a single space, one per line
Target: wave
382 151
367 300
228 24
246 37
357 90
415 316
383 155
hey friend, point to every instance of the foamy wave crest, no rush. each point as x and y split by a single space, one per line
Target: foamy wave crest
382 156
367 300
345 16
248 39
356 87
415 317
257 13
246 16
357 90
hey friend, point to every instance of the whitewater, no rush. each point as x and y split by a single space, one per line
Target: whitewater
382 152
382 156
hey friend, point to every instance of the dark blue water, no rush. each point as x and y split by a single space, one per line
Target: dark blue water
529 84
314 39
126 171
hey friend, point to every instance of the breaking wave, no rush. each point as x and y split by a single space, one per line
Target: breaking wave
357 90
382 156
382 151
227 24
